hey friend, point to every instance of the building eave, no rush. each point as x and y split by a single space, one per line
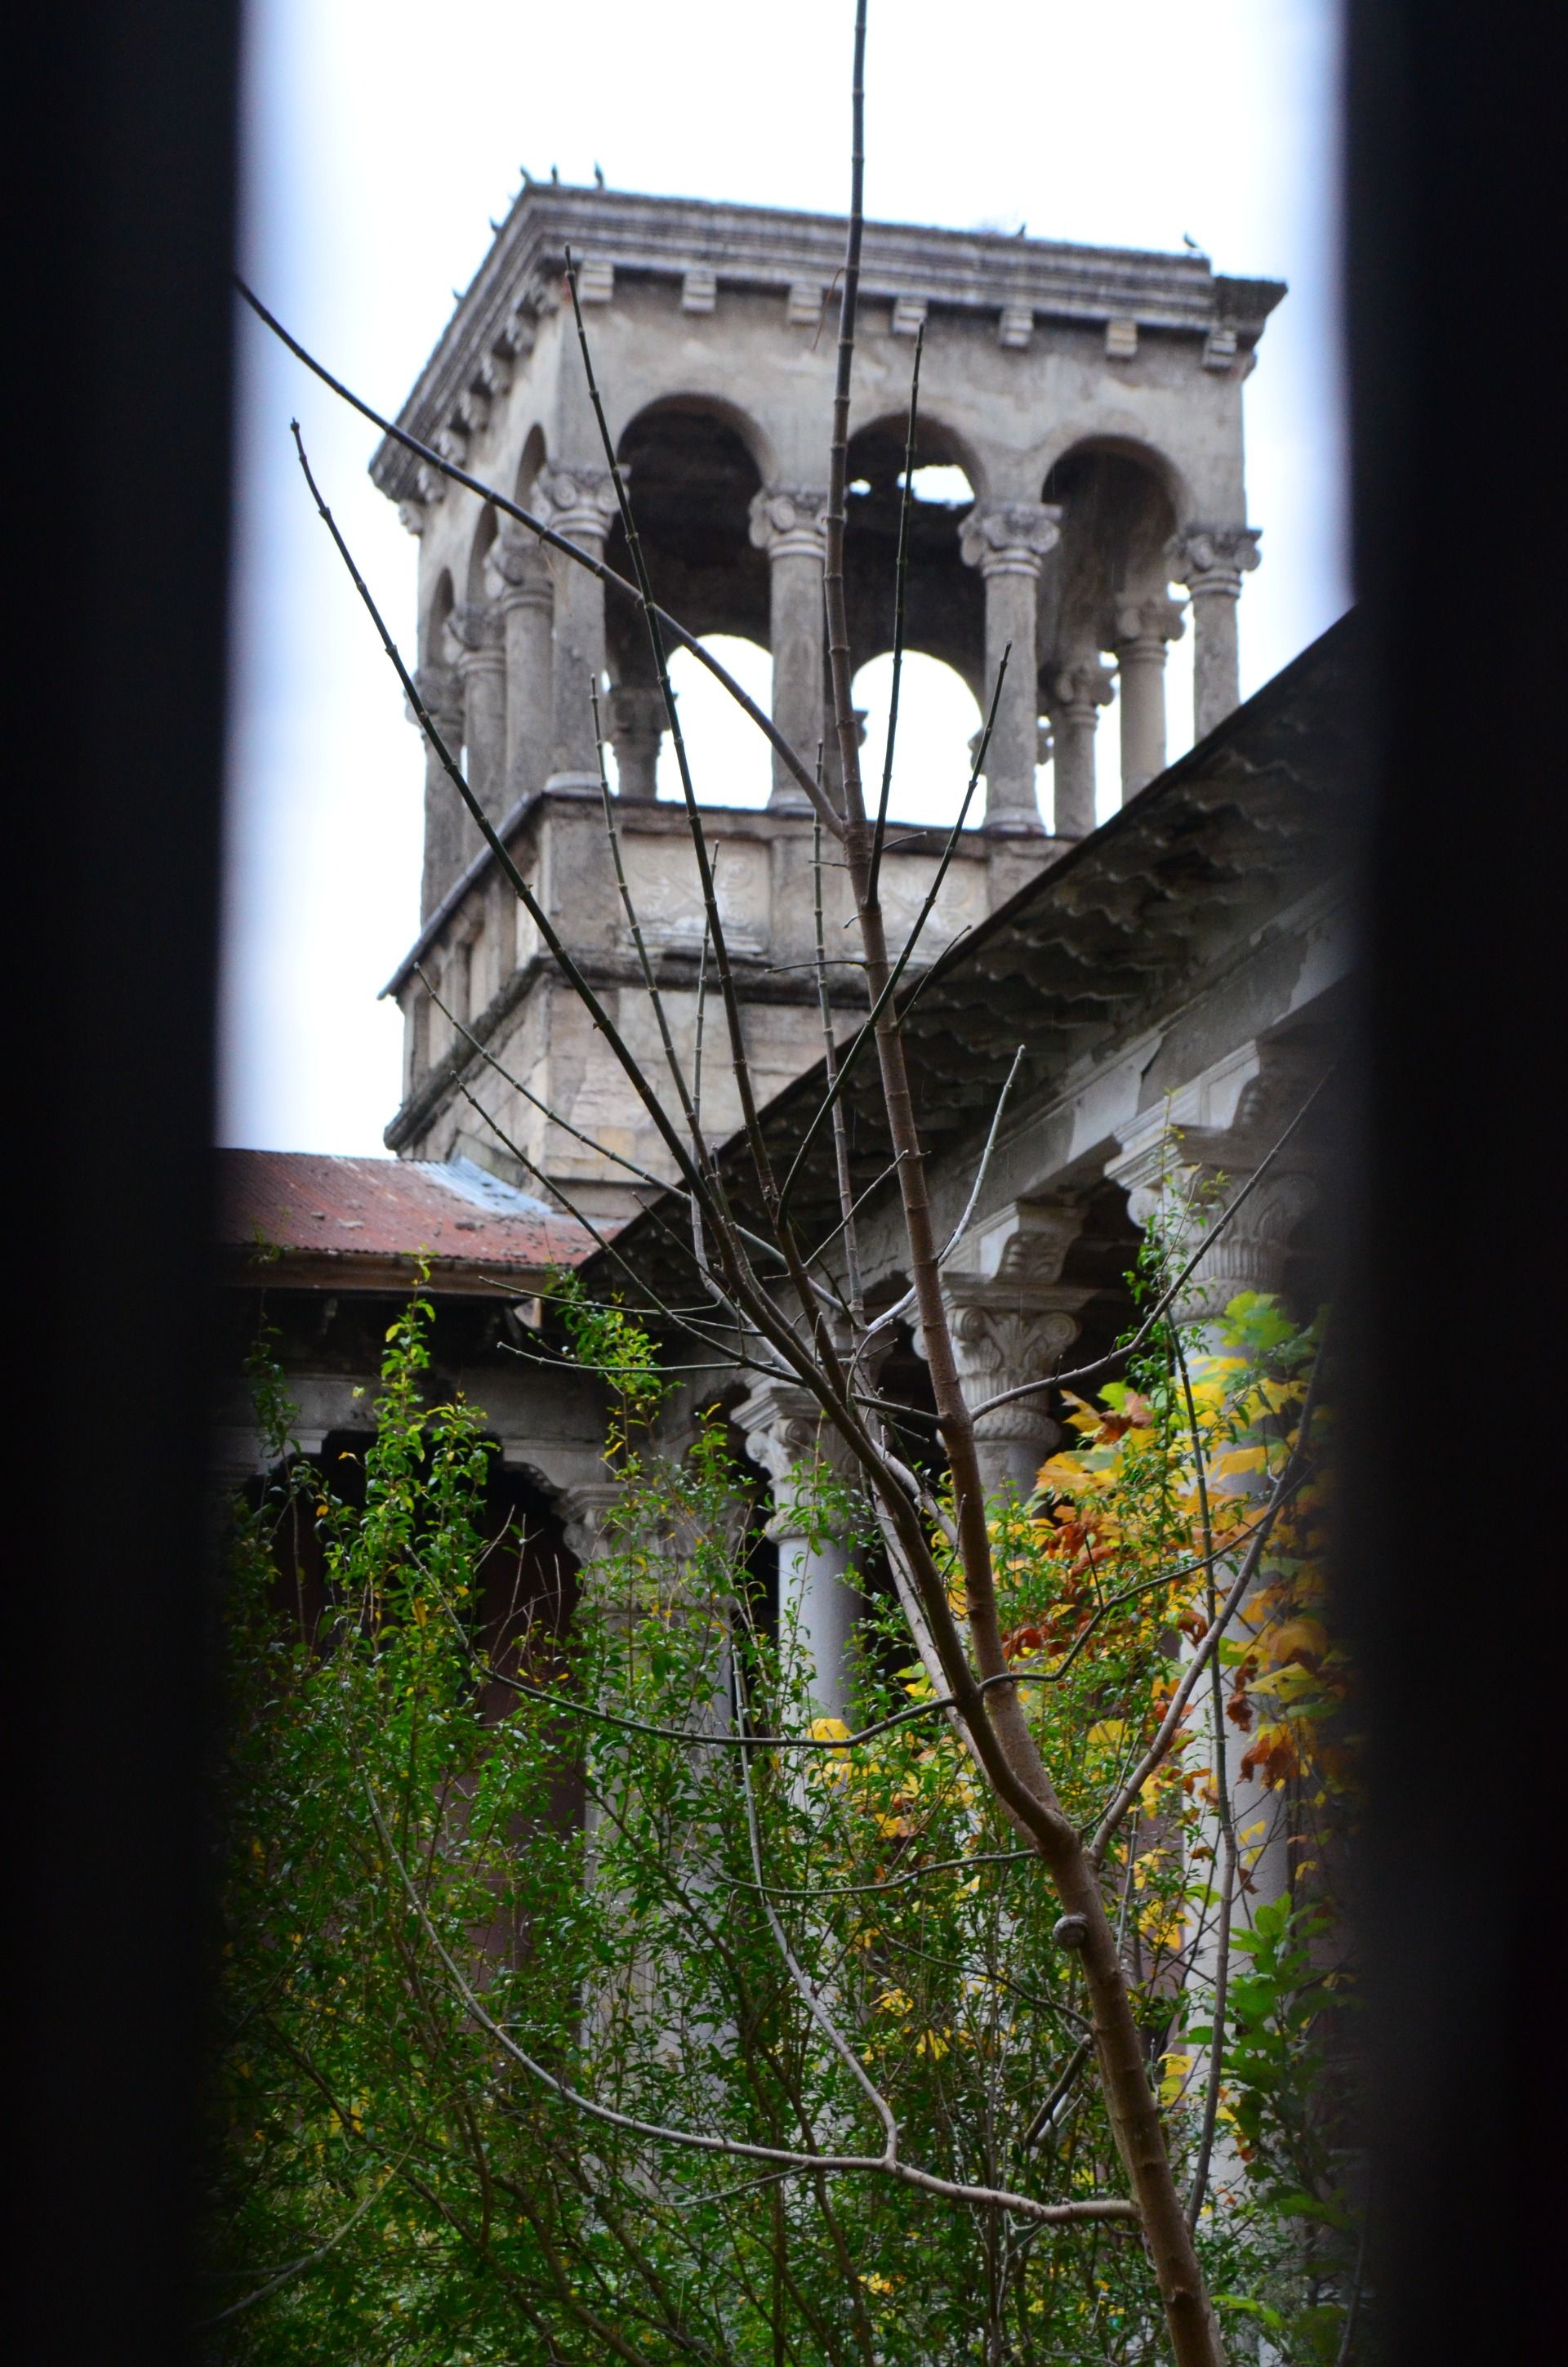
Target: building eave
757 248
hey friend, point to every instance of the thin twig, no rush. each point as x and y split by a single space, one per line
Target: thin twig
698 2141
900 585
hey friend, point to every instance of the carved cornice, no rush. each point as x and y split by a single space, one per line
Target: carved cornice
759 248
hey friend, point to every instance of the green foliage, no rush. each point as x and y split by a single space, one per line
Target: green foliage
409 1898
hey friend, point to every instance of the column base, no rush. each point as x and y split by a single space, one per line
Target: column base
579 785
1013 825
790 801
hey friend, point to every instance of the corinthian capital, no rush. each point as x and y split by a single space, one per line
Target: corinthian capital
1143 626
515 572
1210 559
1078 687
473 631
441 688
1009 538
790 522
1010 1327
578 502
786 1435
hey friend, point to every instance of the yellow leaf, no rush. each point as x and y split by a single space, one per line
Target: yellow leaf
1237 1459
1288 1641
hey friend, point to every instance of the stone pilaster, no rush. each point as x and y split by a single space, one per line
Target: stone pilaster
637 726
441 689
1078 690
1211 560
579 503
1007 542
474 632
1143 628
518 579
788 523
785 1434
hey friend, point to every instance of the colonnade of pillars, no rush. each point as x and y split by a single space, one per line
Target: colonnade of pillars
512 681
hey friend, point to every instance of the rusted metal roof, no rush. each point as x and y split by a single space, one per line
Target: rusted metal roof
358 1224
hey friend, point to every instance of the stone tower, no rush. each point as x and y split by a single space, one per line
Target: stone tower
1091 398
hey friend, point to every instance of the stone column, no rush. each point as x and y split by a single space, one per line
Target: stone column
475 632
1078 690
579 503
1211 560
1143 628
441 688
518 579
1249 1253
788 523
1007 542
637 726
785 1433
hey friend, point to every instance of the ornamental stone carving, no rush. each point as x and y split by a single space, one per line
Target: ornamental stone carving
786 1433
441 689
1143 626
1080 688
514 568
583 1509
1197 1152
474 631
1009 538
790 523
1012 1319
1212 559
1005 1336
579 503
637 720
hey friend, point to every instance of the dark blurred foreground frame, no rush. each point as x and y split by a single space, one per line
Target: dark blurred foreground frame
119 459
1454 1557
117 467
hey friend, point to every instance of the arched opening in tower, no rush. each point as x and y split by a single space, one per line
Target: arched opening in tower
693 478
944 607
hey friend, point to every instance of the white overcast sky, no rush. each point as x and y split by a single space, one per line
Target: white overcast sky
382 138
